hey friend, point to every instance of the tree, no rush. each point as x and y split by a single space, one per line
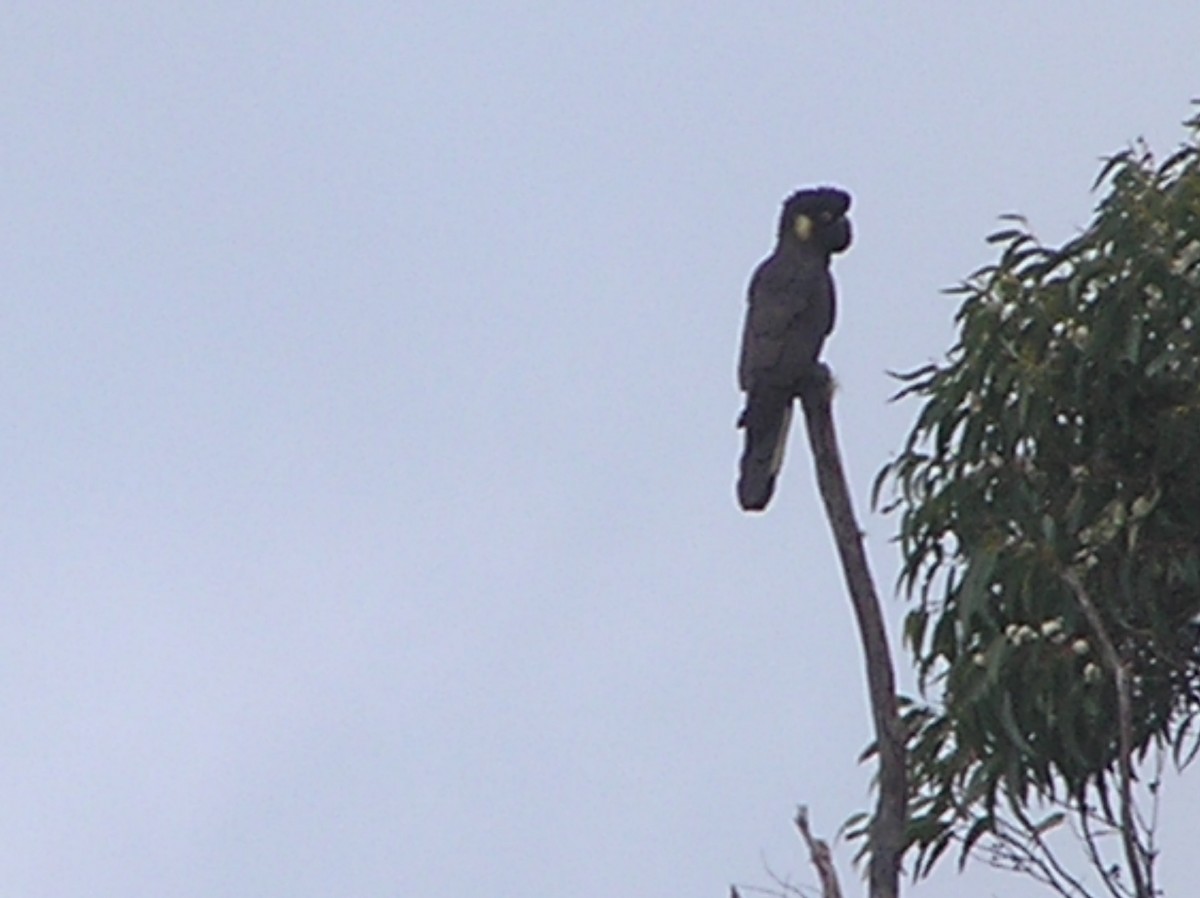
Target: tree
1048 500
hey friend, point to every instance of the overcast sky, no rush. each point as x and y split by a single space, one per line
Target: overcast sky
368 398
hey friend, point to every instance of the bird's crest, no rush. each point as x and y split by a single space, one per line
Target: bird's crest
809 204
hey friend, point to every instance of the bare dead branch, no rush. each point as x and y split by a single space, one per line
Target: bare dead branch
887 826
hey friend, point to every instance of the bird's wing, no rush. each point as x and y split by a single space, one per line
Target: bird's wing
778 297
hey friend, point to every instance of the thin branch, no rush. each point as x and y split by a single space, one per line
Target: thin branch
1034 835
1014 854
1120 673
887 827
1089 839
1151 827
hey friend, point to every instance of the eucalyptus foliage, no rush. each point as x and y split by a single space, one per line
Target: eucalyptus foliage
1060 438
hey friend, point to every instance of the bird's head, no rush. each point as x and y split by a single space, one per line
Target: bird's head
817 218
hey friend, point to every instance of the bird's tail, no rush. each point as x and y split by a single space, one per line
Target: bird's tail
766 420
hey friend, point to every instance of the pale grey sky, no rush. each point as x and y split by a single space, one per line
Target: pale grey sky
368 410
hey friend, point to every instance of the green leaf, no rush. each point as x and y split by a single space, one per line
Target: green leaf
939 847
1184 154
885 473
1184 758
1133 340
1008 720
1049 530
973 594
1109 164
1049 822
1005 235
914 628
979 828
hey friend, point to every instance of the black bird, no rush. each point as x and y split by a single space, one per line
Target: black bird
791 311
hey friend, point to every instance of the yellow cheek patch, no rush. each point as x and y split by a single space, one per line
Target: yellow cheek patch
803 227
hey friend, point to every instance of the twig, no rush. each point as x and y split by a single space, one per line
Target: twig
1152 827
1090 840
1041 865
819 854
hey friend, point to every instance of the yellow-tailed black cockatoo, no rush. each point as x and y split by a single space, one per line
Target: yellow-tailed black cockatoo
791 311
